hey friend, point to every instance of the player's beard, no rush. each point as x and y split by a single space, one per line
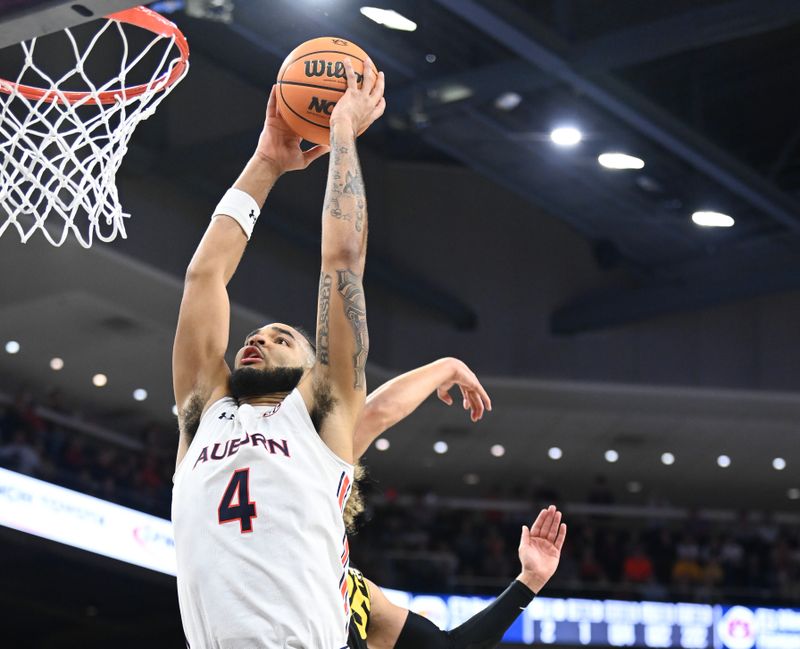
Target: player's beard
248 382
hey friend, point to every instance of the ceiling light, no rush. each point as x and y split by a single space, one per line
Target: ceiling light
389 18
793 493
99 380
12 346
56 364
779 464
440 447
611 455
508 101
620 161
566 136
382 444
712 219
554 453
724 461
140 394
451 92
471 478
634 487
667 458
498 450
430 58
175 410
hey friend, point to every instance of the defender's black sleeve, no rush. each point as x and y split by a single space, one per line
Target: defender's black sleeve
483 630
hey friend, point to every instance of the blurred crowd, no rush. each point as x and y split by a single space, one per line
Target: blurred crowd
427 547
424 546
39 447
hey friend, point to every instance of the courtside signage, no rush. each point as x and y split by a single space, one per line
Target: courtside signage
85 522
92 524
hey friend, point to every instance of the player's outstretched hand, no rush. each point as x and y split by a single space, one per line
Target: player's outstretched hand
359 107
280 146
540 548
473 397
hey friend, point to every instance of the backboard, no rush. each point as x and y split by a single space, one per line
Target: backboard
21 20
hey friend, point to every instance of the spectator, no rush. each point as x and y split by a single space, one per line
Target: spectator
637 567
21 455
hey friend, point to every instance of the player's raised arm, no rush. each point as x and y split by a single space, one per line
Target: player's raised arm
397 399
199 371
342 339
393 627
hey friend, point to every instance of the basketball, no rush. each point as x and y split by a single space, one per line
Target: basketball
310 82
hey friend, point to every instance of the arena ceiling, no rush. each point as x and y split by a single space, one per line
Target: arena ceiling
699 90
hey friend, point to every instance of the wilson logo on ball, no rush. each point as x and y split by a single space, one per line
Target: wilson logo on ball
330 69
321 105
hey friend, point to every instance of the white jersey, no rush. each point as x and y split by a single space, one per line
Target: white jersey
259 536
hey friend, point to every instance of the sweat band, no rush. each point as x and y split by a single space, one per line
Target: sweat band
241 207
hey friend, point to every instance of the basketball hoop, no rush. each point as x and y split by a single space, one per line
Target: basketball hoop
61 148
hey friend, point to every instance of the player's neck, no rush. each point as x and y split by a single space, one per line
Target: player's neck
271 399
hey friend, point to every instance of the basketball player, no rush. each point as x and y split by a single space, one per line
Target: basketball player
376 623
265 453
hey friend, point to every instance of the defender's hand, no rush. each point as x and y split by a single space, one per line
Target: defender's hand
279 145
540 548
473 397
359 107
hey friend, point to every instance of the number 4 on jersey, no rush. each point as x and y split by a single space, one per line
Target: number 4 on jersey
242 510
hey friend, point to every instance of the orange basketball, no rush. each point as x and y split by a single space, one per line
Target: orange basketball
311 81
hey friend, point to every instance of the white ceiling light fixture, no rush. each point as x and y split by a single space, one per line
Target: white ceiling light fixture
611 455
498 450
724 461
779 464
667 458
712 219
56 364
99 380
440 447
566 136
175 410
554 453
382 444
12 347
620 161
451 92
140 394
389 18
508 101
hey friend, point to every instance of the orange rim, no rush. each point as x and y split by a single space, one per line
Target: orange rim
139 17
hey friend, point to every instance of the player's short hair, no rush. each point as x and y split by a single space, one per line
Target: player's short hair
303 332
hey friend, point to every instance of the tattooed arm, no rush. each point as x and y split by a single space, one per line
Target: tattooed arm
338 386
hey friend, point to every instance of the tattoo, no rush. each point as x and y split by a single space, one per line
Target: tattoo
322 325
346 200
354 184
355 309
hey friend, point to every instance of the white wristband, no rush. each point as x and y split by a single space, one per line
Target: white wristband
241 207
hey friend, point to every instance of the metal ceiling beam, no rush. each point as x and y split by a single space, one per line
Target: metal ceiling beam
693 29
602 310
636 111
689 30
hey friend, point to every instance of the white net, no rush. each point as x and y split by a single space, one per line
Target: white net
61 149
